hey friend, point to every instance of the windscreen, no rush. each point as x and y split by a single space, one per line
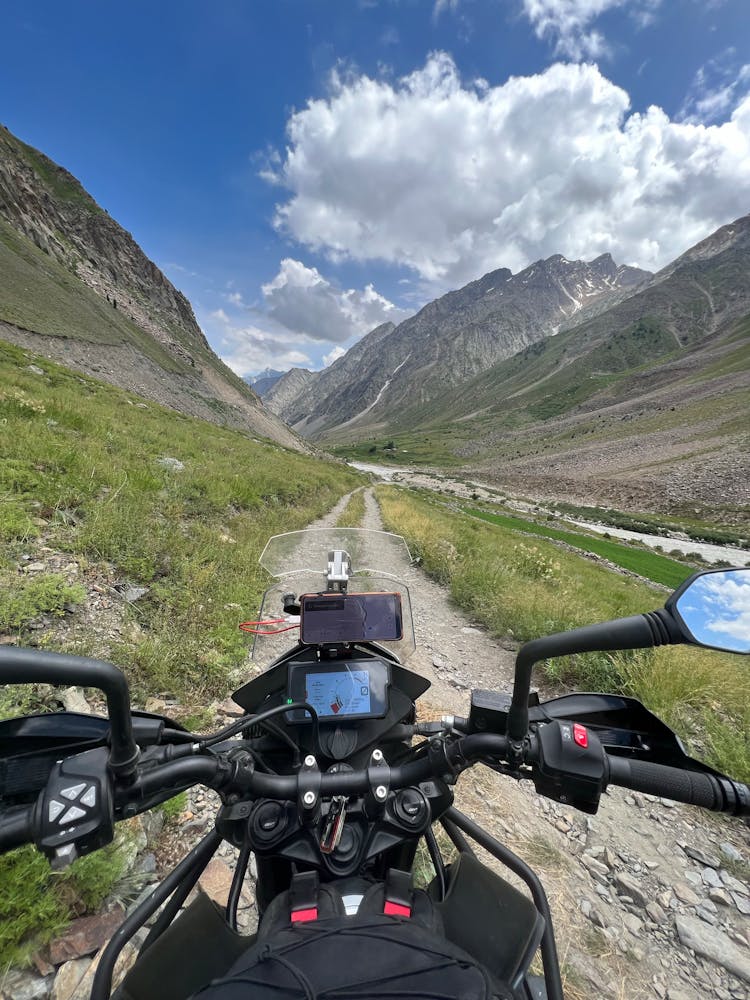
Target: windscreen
299 560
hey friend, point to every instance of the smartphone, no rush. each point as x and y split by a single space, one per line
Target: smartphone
350 617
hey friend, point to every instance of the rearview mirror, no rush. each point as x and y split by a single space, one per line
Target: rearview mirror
713 609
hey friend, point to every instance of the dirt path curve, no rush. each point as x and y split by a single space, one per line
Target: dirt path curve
623 888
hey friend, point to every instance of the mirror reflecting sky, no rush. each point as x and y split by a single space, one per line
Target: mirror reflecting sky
716 609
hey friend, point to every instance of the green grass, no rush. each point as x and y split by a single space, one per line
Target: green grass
82 459
23 601
36 903
351 516
522 589
650 565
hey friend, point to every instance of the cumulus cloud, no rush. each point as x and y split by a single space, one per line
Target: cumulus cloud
305 302
454 178
247 349
568 23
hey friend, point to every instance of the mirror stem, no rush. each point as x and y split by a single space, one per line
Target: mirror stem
657 628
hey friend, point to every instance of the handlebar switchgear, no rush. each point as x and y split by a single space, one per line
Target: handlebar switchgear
74 815
570 766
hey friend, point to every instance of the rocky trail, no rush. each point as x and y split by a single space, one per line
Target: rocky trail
649 898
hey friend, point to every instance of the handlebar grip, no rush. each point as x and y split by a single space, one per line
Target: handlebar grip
16 828
692 787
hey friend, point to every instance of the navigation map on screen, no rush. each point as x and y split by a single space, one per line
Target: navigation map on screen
345 692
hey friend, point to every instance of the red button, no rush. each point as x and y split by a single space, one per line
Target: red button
303 916
580 735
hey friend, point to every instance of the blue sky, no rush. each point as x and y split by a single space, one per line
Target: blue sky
306 170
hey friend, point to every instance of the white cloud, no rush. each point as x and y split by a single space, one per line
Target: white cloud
567 23
454 179
248 349
442 5
334 355
305 302
717 88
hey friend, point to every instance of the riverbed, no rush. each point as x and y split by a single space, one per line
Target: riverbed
481 491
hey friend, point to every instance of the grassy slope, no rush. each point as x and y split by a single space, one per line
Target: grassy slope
650 565
37 293
527 589
82 458
41 294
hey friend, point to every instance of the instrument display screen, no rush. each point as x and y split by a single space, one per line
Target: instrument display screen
343 690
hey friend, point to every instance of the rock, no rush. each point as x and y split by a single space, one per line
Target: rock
230 708
695 879
173 464
438 663
68 977
216 881
741 902
147 864
74 701
586 907
593 865
628 886
156 705
129 593
720 896
633 923
711 878
85 936
702 857
655 912
730 851
685 894
713 944
733 883
562 825
705 914
18 985
152 823
126 960
590 971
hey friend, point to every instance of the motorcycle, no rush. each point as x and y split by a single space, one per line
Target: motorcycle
331 780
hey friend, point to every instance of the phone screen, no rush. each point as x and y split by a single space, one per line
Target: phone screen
350 617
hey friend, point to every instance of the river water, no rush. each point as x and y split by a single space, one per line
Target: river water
711 553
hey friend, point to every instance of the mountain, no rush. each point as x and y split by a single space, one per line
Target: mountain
264 381
299 397
289 388
77 288
452 339
645 403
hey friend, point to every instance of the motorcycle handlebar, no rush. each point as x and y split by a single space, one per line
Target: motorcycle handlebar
213 772
692 787
16 828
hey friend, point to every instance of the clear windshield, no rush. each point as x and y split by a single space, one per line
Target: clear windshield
307 551
299 561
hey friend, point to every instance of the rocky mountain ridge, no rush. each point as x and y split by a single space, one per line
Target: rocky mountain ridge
79 289
455 337
264 381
